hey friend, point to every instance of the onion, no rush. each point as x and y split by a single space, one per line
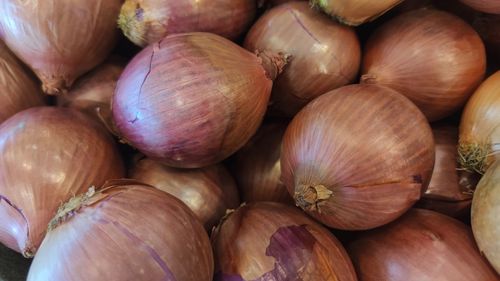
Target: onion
421 245
146 21
48 155
19 89
487 6
126 231
325 54
357 157
271 241
355 12
59 40
193 99
432 57
208 191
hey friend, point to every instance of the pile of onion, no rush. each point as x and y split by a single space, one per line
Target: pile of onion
146 21
486 6
351 164
207 191
325 55
126 231
421 245
193 99
432 57
271 241
48 155
59 40
20 90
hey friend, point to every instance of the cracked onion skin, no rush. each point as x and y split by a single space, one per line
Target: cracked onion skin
271 241
421 245
191 100
145 22
207 191
325 55
126 231
60 40
357 157
49 154
432 57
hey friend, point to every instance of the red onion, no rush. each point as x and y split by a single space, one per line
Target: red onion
19 89
193 99
351 164
48 155
126 231
208 191
270 241
421 245
487 6
325 54
59 40
146 21
432 57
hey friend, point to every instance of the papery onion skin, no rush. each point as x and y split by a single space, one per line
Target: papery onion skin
48 155
129 231
486 6
193 99
60 40
421 245
432 57
20 90
271 241
145 22
207 191
349 164
325 55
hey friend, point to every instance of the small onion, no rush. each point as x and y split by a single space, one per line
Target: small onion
484 218
270 241
193 99
351 164
208 191
486 6
126 231
20 90
355 12
146 21
325 55
421 245
256 167
48 155
59 40
432 57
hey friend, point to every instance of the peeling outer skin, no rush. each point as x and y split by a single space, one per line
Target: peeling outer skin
7 209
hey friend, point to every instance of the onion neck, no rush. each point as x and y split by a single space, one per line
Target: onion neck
69 208
273 63
369 79
311 197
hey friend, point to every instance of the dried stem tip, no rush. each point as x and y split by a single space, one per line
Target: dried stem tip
273 63
310 197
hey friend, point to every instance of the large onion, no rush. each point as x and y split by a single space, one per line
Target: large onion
270 241
127 231
485 215
208 191
487 6
421 245
193 99
357 157
48 155
59 40
20 90
325 54
432 57
146 21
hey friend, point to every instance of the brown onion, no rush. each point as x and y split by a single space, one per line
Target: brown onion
486 6
20 90
193 99
126 231
270 241
325 55
484 218
208 191
146 21
59 40
357 157
48 155
432 57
